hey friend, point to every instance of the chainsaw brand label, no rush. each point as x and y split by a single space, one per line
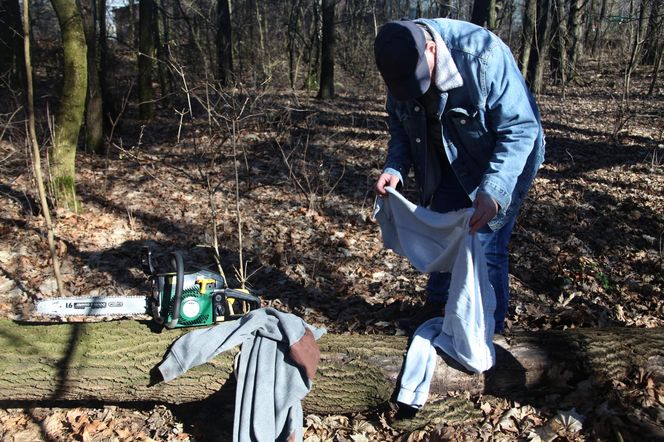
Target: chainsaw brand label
85 305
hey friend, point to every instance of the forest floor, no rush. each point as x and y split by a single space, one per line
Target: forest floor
587 251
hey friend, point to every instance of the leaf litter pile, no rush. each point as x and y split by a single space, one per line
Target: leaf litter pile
587 251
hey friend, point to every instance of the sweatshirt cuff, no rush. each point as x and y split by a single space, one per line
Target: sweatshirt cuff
415 399
170 368
394 172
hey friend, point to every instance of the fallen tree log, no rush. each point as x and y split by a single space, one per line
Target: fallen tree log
111 362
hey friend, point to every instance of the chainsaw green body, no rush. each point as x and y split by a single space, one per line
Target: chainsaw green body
198 298
196 306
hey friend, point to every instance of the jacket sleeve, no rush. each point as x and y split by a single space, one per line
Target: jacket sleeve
513 116
398 148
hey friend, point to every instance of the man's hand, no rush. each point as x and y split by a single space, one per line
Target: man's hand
385 180
485 209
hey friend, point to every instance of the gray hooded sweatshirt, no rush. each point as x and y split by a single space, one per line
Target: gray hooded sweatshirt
279 358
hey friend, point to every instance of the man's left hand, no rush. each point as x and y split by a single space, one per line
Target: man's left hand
485 209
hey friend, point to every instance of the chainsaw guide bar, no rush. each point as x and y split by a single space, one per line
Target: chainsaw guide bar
95 306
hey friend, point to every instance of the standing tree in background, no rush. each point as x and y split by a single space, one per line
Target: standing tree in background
539 48
164 50
312 44
291 45
484 13
11 40
326 90
224 42
653 37
559 54
576 31
599 24
529 22
109 112
654 52
94 109
147 51
444 8
71 105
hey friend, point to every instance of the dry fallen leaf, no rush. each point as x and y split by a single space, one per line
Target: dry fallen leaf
568 421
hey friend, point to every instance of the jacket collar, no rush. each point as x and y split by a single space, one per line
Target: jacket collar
446 74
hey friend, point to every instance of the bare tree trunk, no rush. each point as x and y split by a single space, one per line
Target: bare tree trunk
314 46
576 28
11 40
162 55
109 112
146 55
654 32
529 22
263 55
291 43
539 51
636 53
558 52
598 28
164 50
71 106
94 119
509 10
444 8
484 13
224 42
655 71
326 90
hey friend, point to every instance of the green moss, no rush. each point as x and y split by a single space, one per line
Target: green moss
64 192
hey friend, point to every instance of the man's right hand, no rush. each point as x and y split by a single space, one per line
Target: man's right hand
385 180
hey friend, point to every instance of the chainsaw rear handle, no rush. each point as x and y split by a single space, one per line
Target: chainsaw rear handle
178 263
240 294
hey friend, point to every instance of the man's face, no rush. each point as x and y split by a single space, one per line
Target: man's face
430 54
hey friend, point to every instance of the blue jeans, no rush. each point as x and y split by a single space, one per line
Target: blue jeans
495 246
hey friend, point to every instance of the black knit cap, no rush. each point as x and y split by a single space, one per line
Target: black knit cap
399 52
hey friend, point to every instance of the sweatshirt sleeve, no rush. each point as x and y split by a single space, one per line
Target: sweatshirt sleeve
200 346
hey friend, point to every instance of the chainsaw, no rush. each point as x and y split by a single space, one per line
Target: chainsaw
178 299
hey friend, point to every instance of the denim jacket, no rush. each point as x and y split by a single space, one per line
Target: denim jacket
491 128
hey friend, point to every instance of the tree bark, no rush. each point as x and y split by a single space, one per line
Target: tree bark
224 42
109 113
291 44
529 21
479 14
576 28
71 106
11 41
326 90
559 54
147 52
539 48
599 26
111 362
653 33
94 109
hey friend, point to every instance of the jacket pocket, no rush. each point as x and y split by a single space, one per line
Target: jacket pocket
470 135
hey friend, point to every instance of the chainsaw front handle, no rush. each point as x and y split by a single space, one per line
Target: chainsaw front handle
178 263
